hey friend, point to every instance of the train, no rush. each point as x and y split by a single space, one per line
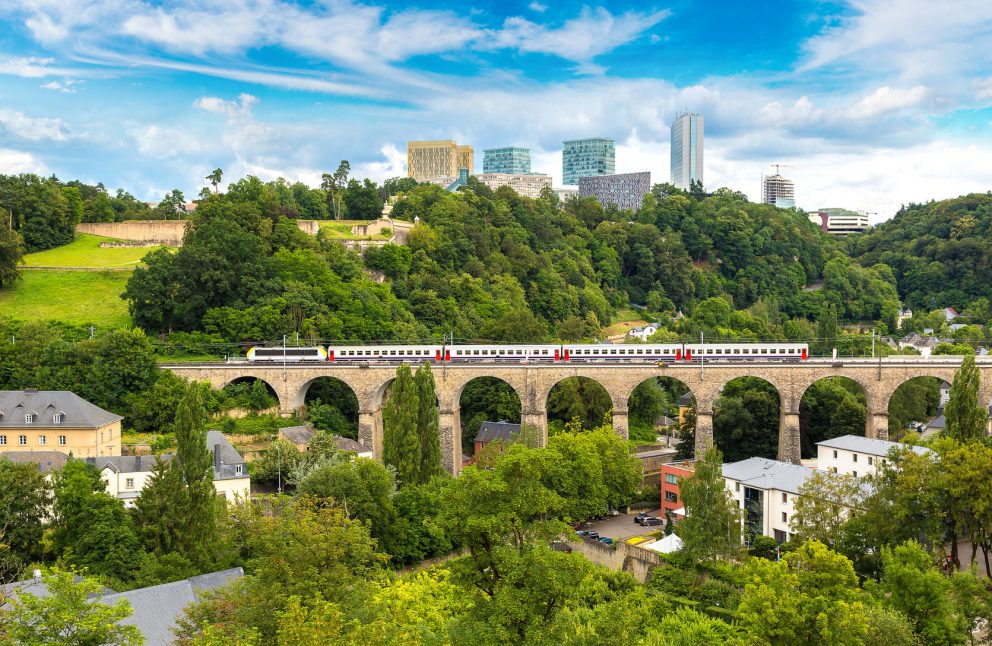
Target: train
535 353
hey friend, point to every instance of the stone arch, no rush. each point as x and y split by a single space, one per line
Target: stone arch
628 564
349 409
674 388
612 400
788 422
497 411
927 411
242 378
806 409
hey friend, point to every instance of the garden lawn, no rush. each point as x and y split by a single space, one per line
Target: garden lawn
79 297
85 251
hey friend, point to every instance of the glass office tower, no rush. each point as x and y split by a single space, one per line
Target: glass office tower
687 150
585 157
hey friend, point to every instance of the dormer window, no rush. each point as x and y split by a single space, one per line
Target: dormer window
238 469
57 418
29 418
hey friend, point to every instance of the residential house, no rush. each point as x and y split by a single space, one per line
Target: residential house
643 332
950 314
685 405
154 610
923 344
301 436
902 316
59 420
127 475
501 432
766 490
47 461
671 497
857 455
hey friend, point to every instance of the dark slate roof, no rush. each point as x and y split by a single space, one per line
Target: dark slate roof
47 461
497 431
127 463
937 422
76 411
297 434
348 444
226 457
686 399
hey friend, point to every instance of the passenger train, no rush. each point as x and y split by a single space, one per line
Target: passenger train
538 353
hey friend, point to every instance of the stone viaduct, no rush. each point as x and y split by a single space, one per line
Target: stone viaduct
533 383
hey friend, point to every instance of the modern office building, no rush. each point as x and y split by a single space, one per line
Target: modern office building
856 455
526 184
624 191
778 190
687 150
587 157
514 161
429 160
840 222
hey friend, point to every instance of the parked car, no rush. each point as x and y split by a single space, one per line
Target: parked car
593 535
561 546
606 540
582 532
647 521
639 516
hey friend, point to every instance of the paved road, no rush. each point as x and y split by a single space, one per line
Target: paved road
622 526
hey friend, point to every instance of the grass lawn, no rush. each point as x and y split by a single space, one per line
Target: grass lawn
341 230
85 251
74 296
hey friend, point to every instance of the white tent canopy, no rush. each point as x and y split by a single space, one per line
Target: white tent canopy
666 545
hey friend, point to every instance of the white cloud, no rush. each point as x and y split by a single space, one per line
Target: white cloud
13 162
538 7
21 126
67 86
886 99
393 165
983 88
591 33
164 143
231 109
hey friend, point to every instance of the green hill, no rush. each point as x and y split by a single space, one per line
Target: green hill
82 297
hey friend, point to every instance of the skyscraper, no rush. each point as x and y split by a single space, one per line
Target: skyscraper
429 160
585 157
778 190
515 161
687 150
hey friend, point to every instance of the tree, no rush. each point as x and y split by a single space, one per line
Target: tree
428 430
913 586
826 328
711 528
68 615
91 528
401 447
362 200
821 509
11 253
966 418
810 597
334 185
25 497
968 496
215 178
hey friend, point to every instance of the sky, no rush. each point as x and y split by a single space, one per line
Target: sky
869 104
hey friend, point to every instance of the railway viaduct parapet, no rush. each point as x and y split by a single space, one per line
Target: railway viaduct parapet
533 383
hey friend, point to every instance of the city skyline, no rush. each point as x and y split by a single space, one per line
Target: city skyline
872 104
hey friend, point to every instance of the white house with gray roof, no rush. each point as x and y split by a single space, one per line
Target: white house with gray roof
857 455
127 475
766 490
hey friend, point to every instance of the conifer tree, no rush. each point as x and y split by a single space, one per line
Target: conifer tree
966 417
11 252
400 444
428 428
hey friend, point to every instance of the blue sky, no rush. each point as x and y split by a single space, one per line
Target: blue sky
870 103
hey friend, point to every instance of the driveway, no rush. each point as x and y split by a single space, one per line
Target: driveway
621 527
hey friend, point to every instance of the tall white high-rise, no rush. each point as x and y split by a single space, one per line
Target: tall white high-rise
687 150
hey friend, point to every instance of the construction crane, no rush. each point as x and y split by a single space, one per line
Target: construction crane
779 166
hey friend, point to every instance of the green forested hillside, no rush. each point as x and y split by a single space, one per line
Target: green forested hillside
939 252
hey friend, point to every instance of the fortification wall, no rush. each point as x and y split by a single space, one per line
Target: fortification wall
167 232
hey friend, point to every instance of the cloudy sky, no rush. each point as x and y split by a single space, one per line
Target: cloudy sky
870 103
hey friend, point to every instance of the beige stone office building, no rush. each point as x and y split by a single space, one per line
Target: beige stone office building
429 160
526 184
56 420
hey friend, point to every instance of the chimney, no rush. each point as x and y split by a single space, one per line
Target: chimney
37 575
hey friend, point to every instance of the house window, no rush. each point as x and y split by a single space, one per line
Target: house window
22 439
238 469
129 483
57 418
835 455
785 497
3 440
869 460
41 439
785 517
737 486
780 536
61 440
854 473
854 457
671 496
671 478
29 418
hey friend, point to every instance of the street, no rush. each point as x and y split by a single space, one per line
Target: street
621 527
